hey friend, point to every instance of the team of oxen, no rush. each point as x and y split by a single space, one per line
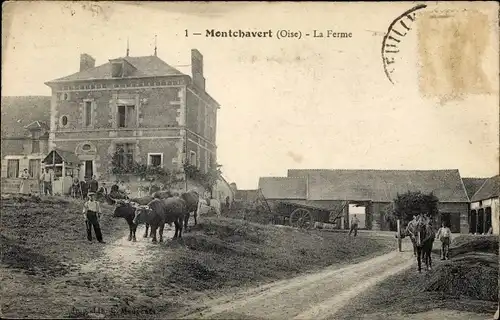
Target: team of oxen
155 211
422 237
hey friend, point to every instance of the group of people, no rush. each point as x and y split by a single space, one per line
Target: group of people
45 182
443 234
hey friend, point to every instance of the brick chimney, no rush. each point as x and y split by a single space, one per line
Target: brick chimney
197 69
86 62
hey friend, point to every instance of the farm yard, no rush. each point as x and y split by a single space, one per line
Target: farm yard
464 287
49 269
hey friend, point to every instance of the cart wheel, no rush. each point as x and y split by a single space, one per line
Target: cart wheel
301 218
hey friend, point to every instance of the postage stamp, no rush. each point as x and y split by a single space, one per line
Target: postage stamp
452 51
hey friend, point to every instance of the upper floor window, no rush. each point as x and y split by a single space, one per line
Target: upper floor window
88 113
126 117
35 142
117 69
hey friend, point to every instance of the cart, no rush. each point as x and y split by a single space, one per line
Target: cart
296 214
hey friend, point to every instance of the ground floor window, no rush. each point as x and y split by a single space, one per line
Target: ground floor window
155 159
193 159
126 154
12 168
34 168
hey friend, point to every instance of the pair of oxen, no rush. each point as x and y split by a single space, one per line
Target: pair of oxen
155 211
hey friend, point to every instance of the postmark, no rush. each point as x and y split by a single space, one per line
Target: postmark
396 33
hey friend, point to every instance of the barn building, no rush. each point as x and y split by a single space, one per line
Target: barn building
140 106
333 191
485 207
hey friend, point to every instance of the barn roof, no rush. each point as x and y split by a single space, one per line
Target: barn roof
472 185
147 66
283 187
489 189
19 112
381 185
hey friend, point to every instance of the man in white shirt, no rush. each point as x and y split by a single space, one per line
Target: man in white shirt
46 178
92 216
444 234
354 225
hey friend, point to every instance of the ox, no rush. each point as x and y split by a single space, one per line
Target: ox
190 197
161 211
125 208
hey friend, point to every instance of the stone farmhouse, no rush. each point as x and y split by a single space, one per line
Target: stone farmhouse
140 106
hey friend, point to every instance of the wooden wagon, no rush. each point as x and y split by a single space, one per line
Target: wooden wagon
300 213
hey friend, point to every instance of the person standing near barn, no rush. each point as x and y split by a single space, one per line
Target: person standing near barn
92 215
354 225
444 234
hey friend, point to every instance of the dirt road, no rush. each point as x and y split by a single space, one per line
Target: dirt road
312 296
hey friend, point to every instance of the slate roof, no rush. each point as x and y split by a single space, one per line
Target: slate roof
283 187
472 185
381 185
148 66
21 111
489 189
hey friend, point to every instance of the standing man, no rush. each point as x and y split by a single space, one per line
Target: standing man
354 225
47 177
444 234
92 215
93 184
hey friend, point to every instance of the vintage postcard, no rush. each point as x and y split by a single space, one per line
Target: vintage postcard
250 160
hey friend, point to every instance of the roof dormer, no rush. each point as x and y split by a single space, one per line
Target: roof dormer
121 68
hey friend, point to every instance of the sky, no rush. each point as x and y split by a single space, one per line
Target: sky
285 103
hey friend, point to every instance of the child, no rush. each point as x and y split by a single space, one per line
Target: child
444 234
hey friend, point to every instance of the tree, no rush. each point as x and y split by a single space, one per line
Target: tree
207 179
411 203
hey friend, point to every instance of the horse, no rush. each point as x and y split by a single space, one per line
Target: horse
423 236
408 232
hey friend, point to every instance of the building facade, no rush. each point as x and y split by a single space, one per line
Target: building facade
25 134
140 106
485 208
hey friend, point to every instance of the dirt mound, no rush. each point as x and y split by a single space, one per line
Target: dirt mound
474 275
470 243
